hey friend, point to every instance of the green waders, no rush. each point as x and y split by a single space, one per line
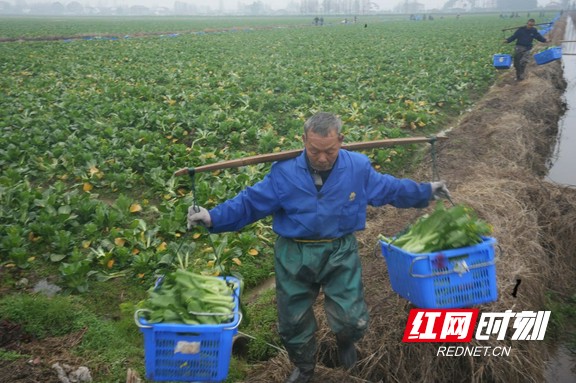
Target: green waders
302 268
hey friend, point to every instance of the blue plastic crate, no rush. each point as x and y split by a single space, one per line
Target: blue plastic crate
189 353
457 278
548 55
502 61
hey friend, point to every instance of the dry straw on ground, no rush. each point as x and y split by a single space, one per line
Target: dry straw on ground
494 162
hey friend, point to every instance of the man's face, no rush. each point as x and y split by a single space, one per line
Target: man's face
321 151
530 24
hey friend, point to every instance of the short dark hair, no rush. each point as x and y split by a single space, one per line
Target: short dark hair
532 20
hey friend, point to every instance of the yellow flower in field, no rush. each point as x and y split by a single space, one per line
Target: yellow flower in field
33 237
135 208
110 263
87 187
253 252
119 242
196 235
161 247
210 264
236 261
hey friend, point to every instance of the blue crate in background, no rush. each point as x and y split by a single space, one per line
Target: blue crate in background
502 61
457 278
552 54
189 353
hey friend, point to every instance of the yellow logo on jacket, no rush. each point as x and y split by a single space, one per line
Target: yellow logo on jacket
352 197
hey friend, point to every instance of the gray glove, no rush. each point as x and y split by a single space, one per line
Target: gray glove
198 216
439 190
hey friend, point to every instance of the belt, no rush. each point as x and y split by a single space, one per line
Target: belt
320 240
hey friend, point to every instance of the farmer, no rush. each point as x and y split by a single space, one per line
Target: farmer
524 37
318 200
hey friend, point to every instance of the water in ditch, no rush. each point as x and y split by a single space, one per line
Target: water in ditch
562 169
561 368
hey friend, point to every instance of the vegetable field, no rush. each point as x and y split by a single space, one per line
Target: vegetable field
92 128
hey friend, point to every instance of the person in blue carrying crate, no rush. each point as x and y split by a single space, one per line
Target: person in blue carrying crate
524 37
318 200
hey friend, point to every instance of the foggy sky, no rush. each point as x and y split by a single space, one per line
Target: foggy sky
233 4
280 4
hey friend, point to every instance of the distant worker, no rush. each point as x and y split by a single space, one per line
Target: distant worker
524 37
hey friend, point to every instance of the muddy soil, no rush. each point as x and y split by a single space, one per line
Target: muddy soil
494 161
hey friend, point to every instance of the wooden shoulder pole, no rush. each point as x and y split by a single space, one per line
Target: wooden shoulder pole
285 155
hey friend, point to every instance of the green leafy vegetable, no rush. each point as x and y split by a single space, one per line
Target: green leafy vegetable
190 298
443 229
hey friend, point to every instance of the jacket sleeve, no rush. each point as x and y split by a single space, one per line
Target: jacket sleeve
539 37
399 192
250 205
513 37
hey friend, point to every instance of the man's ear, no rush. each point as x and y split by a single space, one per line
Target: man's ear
341 138
304 138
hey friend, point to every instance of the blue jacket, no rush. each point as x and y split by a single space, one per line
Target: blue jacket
524 37
288 193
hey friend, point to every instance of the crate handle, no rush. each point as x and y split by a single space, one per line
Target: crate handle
139 324
421 258
237 324
137 318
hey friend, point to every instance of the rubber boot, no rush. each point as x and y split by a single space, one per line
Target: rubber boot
346 353
299 375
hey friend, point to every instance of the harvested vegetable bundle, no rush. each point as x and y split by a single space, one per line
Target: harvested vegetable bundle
190 298
443 229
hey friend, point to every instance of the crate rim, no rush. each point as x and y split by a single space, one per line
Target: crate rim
486 240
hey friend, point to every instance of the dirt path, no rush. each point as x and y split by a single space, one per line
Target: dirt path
494 162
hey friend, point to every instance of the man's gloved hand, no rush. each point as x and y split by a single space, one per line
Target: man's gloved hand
439 190
198 216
